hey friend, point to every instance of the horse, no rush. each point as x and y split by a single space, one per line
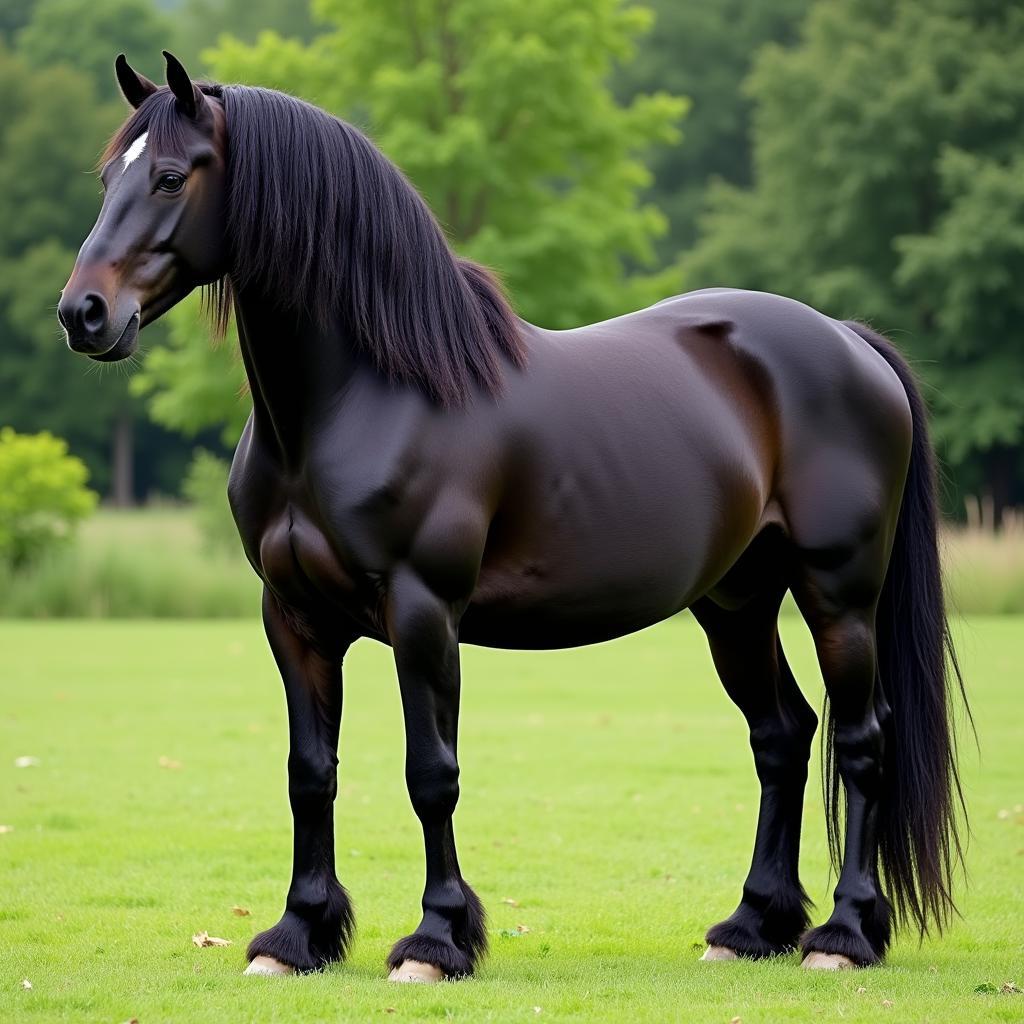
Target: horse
423 468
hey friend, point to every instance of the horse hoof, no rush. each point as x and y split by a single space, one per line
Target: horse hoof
417 972
720 953
268 965
827 962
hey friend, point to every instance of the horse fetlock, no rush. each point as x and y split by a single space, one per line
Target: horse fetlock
842 939
758 933
440 953
309 936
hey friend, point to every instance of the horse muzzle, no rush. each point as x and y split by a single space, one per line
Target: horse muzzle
92 331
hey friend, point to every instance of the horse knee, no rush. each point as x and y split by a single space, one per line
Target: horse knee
434 788
312 780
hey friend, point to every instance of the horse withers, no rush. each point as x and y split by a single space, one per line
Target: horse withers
423 468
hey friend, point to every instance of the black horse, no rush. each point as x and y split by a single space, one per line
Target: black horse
423 468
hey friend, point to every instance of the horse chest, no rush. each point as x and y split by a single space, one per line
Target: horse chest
303 569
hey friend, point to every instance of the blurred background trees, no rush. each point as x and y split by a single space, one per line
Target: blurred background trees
864 156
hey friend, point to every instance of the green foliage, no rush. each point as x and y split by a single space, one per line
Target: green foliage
198 22
704 51
14 14
888 156
42 495
87 35
501 115
193 385
206 487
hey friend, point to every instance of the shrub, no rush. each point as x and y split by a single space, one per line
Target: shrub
206 487
42 495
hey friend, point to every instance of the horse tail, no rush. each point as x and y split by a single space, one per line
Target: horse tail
922 805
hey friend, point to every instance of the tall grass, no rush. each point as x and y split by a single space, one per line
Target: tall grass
150 563
156 563
985 571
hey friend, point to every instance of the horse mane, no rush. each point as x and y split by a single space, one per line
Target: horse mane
321 221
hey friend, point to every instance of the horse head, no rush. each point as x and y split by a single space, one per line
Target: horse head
160 232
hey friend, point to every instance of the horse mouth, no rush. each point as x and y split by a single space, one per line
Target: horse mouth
125 344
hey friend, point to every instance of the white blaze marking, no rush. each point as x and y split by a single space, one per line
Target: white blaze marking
134 151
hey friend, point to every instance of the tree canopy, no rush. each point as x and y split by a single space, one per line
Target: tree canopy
887 186
501 115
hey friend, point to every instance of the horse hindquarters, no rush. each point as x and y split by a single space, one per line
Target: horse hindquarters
868 585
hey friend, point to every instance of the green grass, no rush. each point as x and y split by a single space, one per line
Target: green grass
609 791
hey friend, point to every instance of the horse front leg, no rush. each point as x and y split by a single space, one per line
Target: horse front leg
317 921
423 630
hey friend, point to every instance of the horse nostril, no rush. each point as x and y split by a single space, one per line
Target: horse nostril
94 313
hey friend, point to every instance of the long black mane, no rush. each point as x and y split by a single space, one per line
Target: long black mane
320 219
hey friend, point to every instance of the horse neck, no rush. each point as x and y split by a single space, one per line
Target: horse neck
295 370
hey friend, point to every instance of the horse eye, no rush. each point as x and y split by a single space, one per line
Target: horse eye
171 182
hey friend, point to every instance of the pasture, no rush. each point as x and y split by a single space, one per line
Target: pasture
607 812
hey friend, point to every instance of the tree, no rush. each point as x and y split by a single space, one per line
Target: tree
499 113
200 22
704 51
100 32
193 387
888 151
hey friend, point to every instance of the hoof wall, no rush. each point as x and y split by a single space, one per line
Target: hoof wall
827 962
720 953
416 972
268 965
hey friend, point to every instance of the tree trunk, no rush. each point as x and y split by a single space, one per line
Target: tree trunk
1000 476
122 477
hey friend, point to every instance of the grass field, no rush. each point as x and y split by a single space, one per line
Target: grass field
609 792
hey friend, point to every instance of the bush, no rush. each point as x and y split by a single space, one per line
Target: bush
42 495
206 487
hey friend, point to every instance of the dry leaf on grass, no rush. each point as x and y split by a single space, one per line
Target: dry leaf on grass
26 762
240 911
510 902
4 829
169 762
522 929
1008 988
887 1003
26 984
203 939
735 1020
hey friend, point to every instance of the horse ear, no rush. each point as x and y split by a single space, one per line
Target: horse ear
189 97
136 87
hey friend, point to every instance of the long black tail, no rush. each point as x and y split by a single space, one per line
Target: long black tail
922 804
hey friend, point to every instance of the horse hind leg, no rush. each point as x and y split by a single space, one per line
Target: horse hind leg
745 646
837 590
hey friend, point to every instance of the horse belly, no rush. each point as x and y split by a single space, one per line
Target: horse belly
597 556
